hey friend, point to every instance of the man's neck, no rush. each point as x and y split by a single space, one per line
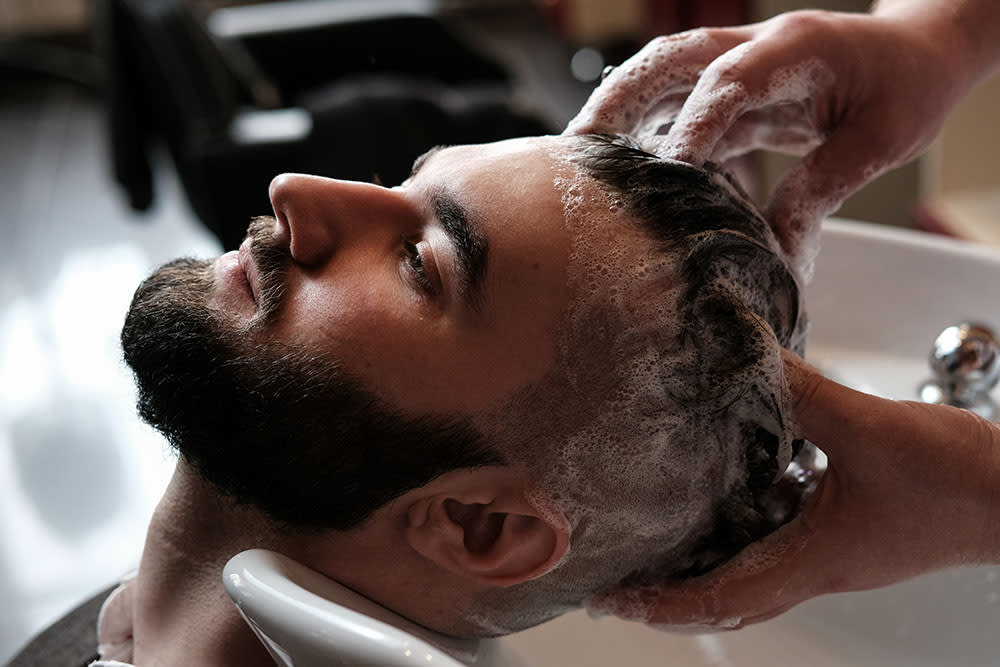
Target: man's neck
183 615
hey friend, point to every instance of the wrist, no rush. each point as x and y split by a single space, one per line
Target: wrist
965 33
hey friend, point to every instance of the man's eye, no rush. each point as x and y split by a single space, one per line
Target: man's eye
415 264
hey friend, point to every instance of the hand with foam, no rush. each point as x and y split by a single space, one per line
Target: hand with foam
910 488
855 94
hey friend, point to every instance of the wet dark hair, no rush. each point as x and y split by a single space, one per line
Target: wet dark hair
705 217
293 435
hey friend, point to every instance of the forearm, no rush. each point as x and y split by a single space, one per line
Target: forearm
973 27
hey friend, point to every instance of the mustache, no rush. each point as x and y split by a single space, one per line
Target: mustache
272 258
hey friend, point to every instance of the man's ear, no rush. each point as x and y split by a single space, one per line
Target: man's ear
486 525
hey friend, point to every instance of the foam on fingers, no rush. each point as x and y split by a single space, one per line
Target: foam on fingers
726 92
755 584
632 96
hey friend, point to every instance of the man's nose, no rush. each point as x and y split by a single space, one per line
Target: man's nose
322 215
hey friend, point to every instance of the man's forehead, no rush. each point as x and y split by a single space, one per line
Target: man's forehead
496 152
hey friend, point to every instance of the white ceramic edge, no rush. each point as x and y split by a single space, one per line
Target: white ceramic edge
870 231
263 585
930 281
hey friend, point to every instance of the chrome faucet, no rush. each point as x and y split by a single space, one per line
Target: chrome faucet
965 361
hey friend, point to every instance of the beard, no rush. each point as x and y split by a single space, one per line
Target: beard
212 386
278 426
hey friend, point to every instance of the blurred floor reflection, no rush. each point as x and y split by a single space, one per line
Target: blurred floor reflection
79 474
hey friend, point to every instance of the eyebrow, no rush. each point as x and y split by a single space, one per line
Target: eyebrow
471 246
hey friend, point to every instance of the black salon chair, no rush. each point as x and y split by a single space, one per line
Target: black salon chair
346 89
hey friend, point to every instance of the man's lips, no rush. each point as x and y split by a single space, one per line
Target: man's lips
249 268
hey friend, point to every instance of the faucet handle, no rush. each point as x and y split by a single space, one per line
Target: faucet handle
965 360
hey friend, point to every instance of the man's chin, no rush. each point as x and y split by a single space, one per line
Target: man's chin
166 307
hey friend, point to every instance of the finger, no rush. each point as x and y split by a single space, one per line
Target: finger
752 76
786 128
837 419
824 412
930 471
762 581
666 66
817 185
660 116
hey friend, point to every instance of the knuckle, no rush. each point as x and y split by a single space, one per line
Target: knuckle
737 71
662 41
665 40
665 44
984 435
803 22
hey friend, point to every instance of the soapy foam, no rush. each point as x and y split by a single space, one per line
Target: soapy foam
661 97
634 435
785 128
646 285
797 209
704 601
716 104
665 68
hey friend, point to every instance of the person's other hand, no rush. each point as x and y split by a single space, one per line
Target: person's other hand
910 488
856 94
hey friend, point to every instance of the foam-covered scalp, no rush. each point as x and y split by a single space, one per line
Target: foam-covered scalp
695 98
666 418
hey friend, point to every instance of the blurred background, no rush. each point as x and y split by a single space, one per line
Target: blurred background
135 131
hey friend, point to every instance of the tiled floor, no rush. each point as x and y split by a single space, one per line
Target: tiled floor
79 473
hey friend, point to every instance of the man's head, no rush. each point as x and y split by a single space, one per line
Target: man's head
557 357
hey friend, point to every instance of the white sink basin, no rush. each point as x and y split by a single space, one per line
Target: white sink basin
879 299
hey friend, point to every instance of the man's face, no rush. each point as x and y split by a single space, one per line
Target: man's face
495 272
442 295
354 338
